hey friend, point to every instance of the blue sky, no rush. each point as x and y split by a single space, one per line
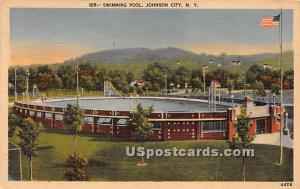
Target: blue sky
99 29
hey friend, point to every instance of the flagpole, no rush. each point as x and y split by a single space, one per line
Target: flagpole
281 93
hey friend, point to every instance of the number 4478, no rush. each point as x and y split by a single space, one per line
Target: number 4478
286 184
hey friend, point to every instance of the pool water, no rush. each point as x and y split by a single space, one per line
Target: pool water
129 104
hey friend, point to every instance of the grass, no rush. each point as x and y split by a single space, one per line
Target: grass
108 161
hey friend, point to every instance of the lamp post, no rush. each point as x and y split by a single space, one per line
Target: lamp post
172 85
16 85
274 99
224 74
205 67
286 120
147 91
232 97
23 96
245 80
27 85
238 62
166 82
43 99
77 83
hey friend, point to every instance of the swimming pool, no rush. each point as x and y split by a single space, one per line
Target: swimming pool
170 105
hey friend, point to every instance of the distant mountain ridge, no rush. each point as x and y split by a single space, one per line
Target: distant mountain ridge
120 58
123 55
170 53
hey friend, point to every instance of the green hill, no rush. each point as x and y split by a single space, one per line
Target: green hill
137 59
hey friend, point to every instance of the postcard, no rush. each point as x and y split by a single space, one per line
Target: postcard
183 94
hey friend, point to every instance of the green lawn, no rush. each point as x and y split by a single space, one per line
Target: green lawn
108 161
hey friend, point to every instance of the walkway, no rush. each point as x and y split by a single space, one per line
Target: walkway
274 139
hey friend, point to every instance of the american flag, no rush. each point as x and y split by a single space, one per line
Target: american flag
270 21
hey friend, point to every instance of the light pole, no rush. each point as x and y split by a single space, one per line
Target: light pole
23 96
147 91
77 83
232 97
27 85
286 121
166 82
205 67
172 85
238 62
245 80
43 99
16 85
265 66
224 74
273 99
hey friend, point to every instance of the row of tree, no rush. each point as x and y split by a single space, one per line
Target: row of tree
28 132
156 77
91 78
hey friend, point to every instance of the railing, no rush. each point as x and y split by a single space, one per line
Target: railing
225 99
288 98
118 114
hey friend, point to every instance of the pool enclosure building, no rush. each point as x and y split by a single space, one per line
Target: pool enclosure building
204 125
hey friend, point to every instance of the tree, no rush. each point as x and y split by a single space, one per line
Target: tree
289 78
118 79
73 120
87 82
126 90
131 88
181 76
259 89
21 80
67 74
141 128
250 77
230 85
76 168
87 76
46 79
139 91
196 83
130 77
100 77
242 139
13 122
239 83
57 82
258 69
155 76
29 134
275 88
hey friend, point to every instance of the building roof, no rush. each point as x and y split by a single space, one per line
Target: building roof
248 99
